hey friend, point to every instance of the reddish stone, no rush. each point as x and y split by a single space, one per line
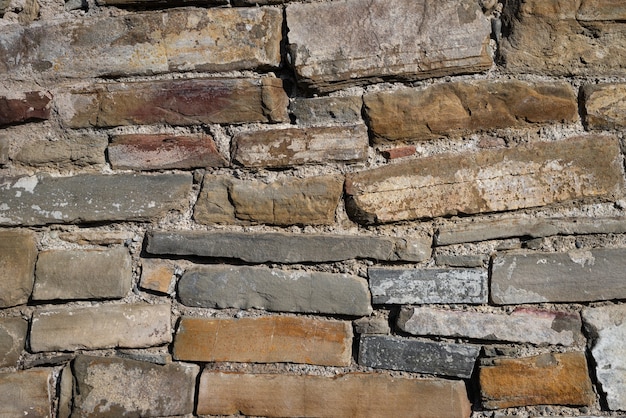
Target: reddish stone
392 154
35 105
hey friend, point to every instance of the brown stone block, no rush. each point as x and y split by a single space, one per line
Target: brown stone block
18 253
26 393
591 10
12 337
605 106
156 275
34 105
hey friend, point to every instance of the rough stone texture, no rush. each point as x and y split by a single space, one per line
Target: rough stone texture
395 353
75 149
140 43
224 286
176 102
312 200
103 386
461 108
605 105
342 43
41 199
263 247
12 338
469 260
487 181
83 274
547 379
159 3
4 149
132 325
577 276
18 253
97 237
392 154
372 325
32 105
607 327
354 394
523 325
297 146
156 275
26 10
407 286
26 393
163 152
264 340
326 110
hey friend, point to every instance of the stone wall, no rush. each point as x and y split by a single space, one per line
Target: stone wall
407 208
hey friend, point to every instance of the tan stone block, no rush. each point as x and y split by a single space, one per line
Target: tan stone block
605 106
213 204
591 10
18 253
156 275
72 150
12 338
26 393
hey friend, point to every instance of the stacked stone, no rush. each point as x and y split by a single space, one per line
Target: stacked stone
284 208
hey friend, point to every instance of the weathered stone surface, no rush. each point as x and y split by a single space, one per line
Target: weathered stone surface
297 146
547 379
326 110
32 105
395 353
607 326
156 275
18 253
337 44
354 394
605 105
159 3
262 247
372 325
162 152
392 154
12 338
487 181
108 387
83 274
4 150
591 10
407 286
577 276
139 43
223 286
290 201
523 325
26 393
68 152
131 326
97 237
176 102
460 108
41 199
264 340
26 10
467 260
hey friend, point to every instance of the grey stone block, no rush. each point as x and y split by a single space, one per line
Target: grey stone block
12 338
18 253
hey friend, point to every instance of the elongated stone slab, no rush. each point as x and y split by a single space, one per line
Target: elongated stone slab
41 199
487 181
32 105
70 151
345 43
223 286
407 286
577 276
395 353
26 393
18 254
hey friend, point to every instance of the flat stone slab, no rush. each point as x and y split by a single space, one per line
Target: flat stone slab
72 150
12 338
577 276
18 254
325 110
395 353
27 393
25 107
411 286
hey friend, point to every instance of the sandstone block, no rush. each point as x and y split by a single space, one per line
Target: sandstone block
333 45
399 152
467 260
605 105
72 150
487 181
12 337
32 105
372 325
592 10
223 286
547 379
354 394
125 388
26 393
264 340
326 110
130 326
156 275
18 253
395 353
407 286
41 199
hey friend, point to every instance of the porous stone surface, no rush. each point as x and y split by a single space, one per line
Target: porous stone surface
18 254
312 111
372 325
76 149
27 106
605 105
26 393
12 338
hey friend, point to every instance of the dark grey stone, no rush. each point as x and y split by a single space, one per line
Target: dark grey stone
326 110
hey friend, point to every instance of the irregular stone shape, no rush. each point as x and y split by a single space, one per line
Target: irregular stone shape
461 108
591 10
264 340
605 105
26 10
353 394
156 275
309 201
41 199
83 274
26 393
74 150
163 152
395 353
487 181
334 45
326 110
523 325
407 286
12 338
607 326
577 276
108 387
547 379
297 146
223 286
217 39
130 326
34 105
285 248
18 253
372 325
176 102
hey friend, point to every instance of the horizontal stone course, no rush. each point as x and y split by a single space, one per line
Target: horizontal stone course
27 393
12 338
31 105
73 150
18 254
324 110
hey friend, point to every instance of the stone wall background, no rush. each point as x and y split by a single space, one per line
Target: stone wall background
328 208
